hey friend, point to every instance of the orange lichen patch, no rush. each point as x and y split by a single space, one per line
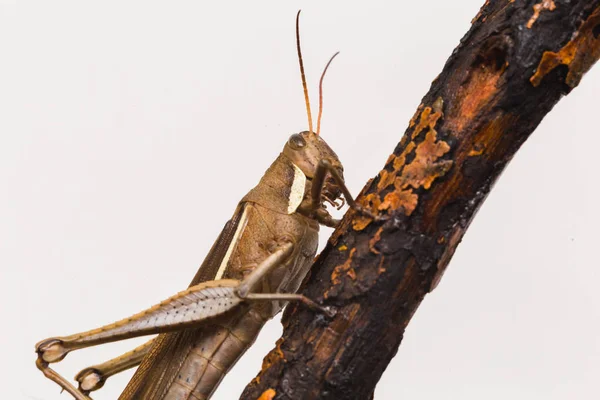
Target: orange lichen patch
343 248
360 223
352 274
419 173
476 151
425 168
344 269
578 55
380 269
387 178
274 355
400 198
390 158
537 9
376 238
372 202
401 159
428 120
413 120
268 394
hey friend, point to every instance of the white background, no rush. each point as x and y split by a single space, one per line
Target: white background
129 131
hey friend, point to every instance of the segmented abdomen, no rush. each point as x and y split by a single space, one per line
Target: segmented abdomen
213 354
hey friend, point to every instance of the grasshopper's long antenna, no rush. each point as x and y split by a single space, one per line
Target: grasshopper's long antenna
321 93
310 126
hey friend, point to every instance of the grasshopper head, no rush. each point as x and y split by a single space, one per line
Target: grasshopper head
306 149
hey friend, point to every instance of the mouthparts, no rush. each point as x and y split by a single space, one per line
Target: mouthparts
332 194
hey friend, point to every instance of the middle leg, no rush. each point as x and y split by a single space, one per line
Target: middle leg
93 378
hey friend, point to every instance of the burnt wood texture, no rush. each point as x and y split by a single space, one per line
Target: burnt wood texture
514 64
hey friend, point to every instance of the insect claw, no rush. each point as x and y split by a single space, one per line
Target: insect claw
365 212
329 312
329 201
382 218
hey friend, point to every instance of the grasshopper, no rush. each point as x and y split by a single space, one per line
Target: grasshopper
252 271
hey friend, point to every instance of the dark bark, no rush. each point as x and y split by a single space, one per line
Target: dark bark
509 70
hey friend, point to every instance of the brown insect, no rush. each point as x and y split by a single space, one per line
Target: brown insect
252 270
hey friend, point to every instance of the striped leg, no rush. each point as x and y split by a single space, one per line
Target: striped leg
94 377
187 308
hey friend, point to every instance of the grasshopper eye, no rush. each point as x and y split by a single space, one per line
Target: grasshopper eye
297 141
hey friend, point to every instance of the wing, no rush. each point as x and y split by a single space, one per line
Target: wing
159 366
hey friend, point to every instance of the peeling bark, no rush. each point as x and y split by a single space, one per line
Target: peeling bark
509 70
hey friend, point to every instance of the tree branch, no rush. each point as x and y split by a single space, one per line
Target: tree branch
509 70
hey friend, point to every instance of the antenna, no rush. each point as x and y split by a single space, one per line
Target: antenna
302 72
321 92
